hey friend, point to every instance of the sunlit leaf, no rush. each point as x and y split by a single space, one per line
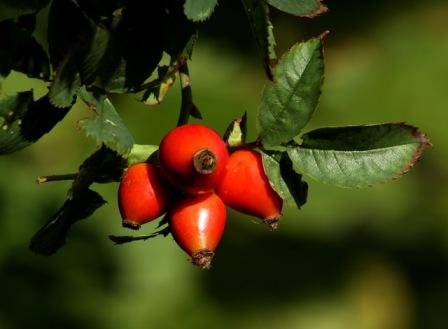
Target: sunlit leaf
358 156
306 8
106 126
155 94
142 153
288 102
236 132
199 10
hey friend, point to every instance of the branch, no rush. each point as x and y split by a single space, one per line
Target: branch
53 178
187 107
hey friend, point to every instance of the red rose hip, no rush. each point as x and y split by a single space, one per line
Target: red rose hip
246 188
143 195
197 224
194 158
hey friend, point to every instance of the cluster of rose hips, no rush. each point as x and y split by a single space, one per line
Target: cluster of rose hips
193 181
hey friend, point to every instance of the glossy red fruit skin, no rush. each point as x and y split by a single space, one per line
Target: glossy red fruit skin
143 195
246 188
176 153
197 223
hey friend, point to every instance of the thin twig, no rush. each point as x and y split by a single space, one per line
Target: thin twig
129 238
53 178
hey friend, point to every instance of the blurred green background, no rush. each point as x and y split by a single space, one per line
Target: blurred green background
365 259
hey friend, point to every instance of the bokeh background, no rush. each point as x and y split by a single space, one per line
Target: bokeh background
375 258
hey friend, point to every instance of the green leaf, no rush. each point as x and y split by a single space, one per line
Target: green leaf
93 58
288 103
23 121
155 94
105 126
19 50
66 83
257 12
306 8
142 153
284 180
53 234
358 156
236 132
199 10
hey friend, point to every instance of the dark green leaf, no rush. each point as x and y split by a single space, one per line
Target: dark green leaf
15 8
236 132
106 125
69 30
23 121
52 235
142 40
101 11
257 12
19 50
79 48
284 180
288 103
127 238
66 83
92 59
179 33
102 166
306 8
358 156
70 39
137 38
199 10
